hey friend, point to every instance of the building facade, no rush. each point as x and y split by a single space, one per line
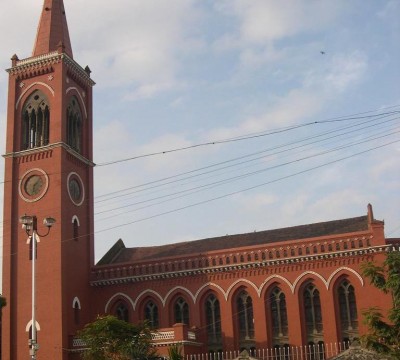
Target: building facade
276 288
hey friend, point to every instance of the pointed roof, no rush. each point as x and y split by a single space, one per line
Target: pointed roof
52 31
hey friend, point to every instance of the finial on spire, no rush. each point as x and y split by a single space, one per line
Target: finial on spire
52 30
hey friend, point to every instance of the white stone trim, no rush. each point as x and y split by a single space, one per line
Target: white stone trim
272 277
180 288
76 301
243 281
345 268
209 284
80 97
149 291
309 273
48 87
116 295
29 324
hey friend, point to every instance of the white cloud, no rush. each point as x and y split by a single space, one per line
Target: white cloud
143 47
296 106
269 20
347 70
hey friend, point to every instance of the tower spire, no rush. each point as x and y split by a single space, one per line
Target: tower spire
52 32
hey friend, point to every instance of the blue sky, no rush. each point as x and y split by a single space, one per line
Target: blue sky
177 73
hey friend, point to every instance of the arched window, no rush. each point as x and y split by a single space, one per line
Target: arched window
312 313
35 121
77 311
75 225
279 316
74 125
122 312
181 311
213 321
151 314
244 305
347 310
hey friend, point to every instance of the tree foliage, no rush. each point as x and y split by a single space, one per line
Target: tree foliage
384 337
3 302
108 338
175 352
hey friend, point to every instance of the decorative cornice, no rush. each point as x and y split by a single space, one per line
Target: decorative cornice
232 267
21 66
46 148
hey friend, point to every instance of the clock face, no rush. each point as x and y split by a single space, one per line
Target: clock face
33 185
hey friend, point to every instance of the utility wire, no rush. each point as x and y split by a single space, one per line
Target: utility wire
230 161
241 138
245 189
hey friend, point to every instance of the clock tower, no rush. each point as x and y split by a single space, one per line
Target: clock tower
48 173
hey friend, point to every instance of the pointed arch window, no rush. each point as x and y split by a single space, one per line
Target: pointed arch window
122 312
244 305
35 121
151 314
75 227
347 310
279 315
181 311
77 311
213 320
74 125
312 312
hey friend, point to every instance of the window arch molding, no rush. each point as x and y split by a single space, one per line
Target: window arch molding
75 227
29 324
76 92
306 277
75 302
345 271
75 218
115 298
28 90
239 284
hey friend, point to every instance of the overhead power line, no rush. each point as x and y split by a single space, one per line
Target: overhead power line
246 137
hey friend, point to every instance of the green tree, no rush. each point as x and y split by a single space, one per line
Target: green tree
3 302
384 337
175 352
108 338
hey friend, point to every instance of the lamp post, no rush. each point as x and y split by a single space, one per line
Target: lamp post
29 223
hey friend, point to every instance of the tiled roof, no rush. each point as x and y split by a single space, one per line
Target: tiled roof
120 254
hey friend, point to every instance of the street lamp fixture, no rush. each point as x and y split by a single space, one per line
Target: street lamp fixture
29 223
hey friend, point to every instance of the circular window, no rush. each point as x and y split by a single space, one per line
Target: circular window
33 185
75 188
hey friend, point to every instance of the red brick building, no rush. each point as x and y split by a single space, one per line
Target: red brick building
291 286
